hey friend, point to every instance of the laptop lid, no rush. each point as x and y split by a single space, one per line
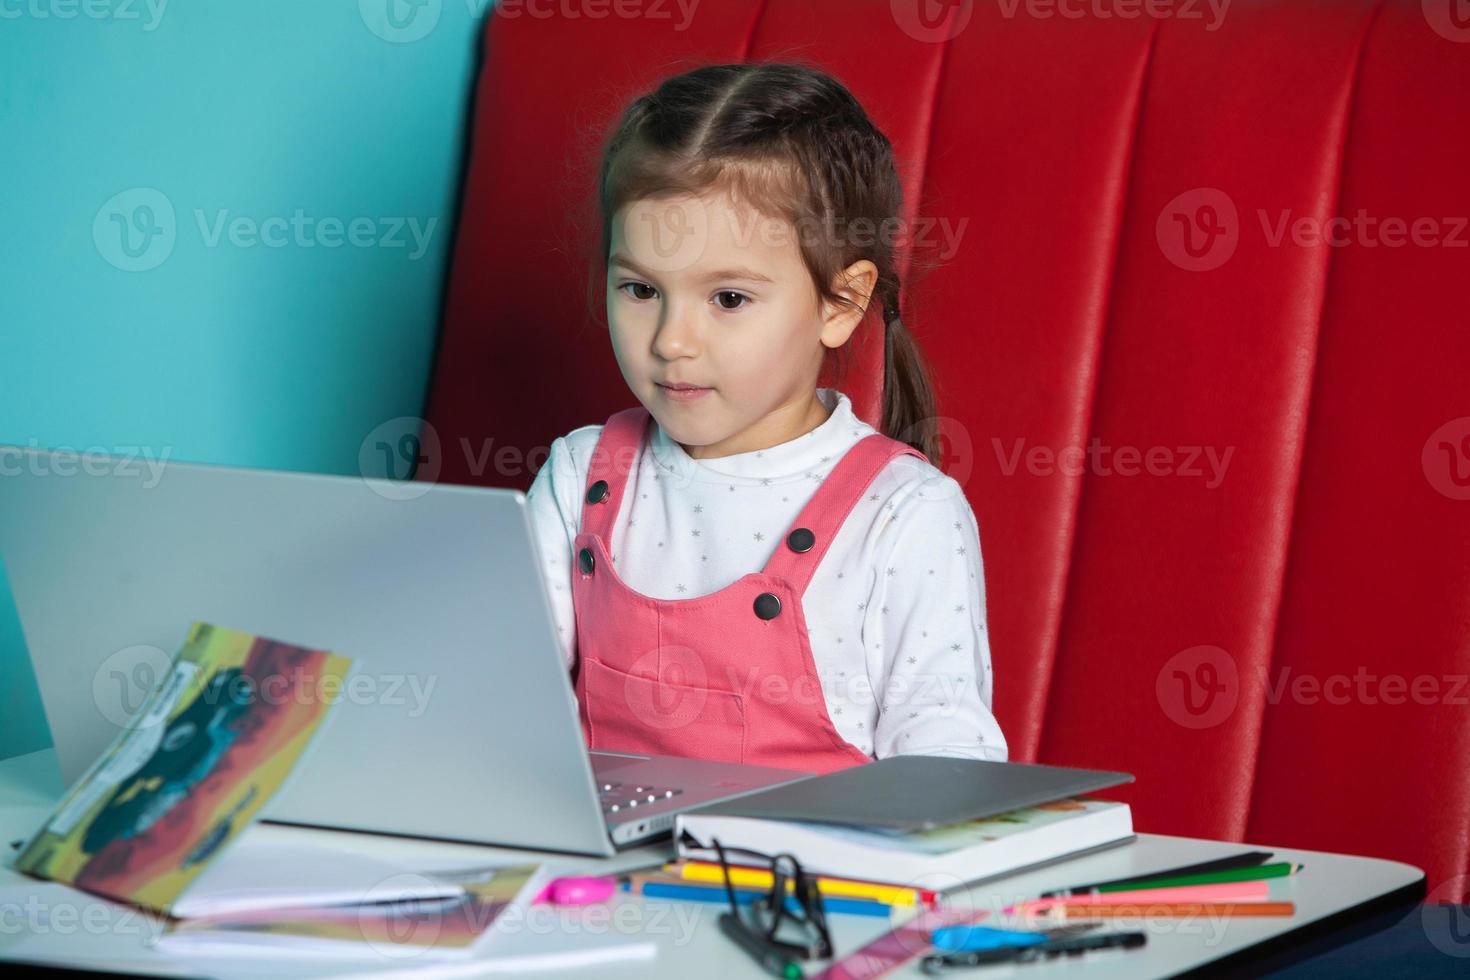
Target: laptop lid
459 714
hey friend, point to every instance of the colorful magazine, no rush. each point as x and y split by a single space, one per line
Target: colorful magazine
214 741
434 927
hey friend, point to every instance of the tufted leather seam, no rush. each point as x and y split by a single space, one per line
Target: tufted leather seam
1288 537
745 45
1110 279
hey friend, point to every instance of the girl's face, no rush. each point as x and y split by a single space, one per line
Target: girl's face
702 292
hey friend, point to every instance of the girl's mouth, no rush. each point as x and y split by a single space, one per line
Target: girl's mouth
684 394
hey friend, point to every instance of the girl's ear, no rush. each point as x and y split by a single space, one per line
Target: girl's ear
856 282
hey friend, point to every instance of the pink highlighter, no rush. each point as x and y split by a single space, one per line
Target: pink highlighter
577 891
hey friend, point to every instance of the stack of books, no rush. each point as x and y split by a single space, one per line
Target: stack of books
904 830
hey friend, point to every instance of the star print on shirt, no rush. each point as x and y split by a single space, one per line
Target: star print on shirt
884 545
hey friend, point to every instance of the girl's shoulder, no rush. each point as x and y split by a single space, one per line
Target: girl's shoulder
573 452
908 480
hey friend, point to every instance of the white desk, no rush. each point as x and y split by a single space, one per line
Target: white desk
689 940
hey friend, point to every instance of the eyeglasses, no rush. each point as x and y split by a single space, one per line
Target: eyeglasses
801 908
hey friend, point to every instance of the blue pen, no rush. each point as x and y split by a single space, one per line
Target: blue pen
699 893
975 938
968 939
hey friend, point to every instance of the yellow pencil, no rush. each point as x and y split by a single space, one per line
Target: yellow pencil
758 878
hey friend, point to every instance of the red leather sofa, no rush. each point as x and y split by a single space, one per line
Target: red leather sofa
1218 442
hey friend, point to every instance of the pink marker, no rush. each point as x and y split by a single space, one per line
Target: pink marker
577 891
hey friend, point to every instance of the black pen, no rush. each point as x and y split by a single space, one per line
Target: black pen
1070 946
1246 860
772 961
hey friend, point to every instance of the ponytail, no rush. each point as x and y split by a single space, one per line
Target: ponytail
908 394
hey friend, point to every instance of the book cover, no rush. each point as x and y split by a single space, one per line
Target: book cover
968 833
213 742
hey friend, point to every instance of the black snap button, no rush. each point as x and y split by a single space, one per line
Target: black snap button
767 605
584 559
597 493
801 539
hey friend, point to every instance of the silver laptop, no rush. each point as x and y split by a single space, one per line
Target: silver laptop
459 720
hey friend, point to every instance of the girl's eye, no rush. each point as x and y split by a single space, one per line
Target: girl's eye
640 285
740 299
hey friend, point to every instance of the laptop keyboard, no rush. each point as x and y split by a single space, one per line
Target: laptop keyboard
622 797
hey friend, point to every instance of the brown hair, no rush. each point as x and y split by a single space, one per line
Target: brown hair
794 143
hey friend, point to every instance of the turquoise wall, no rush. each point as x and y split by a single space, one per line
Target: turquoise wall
226 232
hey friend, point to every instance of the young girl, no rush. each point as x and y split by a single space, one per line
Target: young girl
742 569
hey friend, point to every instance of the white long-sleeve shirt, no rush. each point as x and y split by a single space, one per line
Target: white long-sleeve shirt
895 611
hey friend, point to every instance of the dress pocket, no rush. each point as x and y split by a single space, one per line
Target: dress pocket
635 713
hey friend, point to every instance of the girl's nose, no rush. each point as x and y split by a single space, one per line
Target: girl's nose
677 336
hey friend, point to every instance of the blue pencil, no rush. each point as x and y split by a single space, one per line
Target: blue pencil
744 896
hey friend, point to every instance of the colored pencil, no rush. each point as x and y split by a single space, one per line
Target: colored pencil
1230 891
847 887
1244 860
690 891
1281 869
1165 910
